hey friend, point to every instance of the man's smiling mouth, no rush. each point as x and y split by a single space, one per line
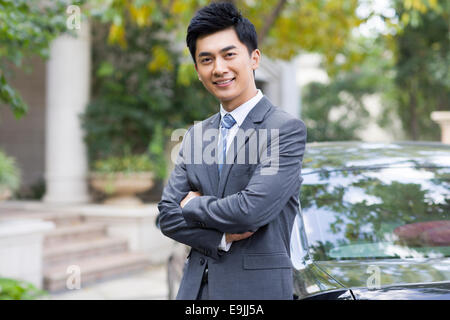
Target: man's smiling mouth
223 82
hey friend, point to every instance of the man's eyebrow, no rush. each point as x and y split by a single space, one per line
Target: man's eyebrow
228 48
205 53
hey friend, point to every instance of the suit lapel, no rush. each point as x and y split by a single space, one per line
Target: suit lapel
211 169
252 121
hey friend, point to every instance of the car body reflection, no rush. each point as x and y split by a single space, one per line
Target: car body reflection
382 207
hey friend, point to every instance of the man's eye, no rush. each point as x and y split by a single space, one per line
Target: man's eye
230 54
205 60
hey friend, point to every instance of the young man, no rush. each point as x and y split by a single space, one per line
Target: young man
235 214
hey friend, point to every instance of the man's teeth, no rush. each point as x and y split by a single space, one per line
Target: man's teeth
223 82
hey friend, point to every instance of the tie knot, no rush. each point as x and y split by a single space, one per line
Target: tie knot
228 121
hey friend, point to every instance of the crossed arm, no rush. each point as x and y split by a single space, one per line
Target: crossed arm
202 221
229 237
172 222
264 197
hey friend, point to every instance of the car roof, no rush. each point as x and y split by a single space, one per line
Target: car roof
327 156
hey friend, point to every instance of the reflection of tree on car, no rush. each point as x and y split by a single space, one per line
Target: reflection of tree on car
366 207
368 210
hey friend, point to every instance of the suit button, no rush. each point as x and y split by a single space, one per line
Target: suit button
202 261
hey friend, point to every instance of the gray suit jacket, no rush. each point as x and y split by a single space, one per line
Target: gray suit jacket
246 197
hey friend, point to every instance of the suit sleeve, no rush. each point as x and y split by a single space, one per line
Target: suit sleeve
265 195
171 220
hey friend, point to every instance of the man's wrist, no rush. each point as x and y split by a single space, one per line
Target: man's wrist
187 201
224 245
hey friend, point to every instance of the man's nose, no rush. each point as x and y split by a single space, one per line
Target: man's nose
220 67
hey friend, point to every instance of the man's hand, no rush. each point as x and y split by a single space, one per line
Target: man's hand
231 237
190 195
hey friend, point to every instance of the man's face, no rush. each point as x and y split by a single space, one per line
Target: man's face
225 67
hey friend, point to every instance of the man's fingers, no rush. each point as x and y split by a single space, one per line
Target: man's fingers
245 235
238 236
191 194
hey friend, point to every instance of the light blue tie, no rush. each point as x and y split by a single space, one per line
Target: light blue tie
225 125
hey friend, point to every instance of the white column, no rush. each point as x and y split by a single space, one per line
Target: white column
68 83
443 118
290 92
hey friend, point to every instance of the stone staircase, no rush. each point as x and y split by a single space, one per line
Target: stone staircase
75 244
89 248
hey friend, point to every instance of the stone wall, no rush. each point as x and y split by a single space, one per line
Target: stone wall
24 139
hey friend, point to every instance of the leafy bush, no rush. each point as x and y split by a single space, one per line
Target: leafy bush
11 289
132 163
9 173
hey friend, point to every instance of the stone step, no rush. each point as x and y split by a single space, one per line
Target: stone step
60 219
76 232
71 252
78 244
66 219
93 269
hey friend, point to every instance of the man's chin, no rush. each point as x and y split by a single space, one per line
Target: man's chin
221 95
224 99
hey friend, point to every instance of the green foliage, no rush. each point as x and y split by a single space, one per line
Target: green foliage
11 289
407 67
336 111
319 101
308 25
127 164
26 29
9 173
12 98
423 77
128 100
284 27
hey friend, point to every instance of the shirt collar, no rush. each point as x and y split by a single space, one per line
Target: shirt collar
240 113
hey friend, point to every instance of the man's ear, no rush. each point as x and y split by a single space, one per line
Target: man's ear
256 58
196 69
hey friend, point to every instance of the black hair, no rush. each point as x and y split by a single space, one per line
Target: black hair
217 17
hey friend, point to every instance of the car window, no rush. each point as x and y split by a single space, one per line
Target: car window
382 212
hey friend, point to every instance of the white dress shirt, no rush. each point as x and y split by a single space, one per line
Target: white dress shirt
239 114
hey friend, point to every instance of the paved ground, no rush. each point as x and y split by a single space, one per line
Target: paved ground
149 284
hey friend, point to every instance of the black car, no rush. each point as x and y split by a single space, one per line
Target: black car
374 223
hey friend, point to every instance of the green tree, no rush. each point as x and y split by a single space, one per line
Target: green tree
284 27
358 221
335 111
422 68
406 65
26 29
